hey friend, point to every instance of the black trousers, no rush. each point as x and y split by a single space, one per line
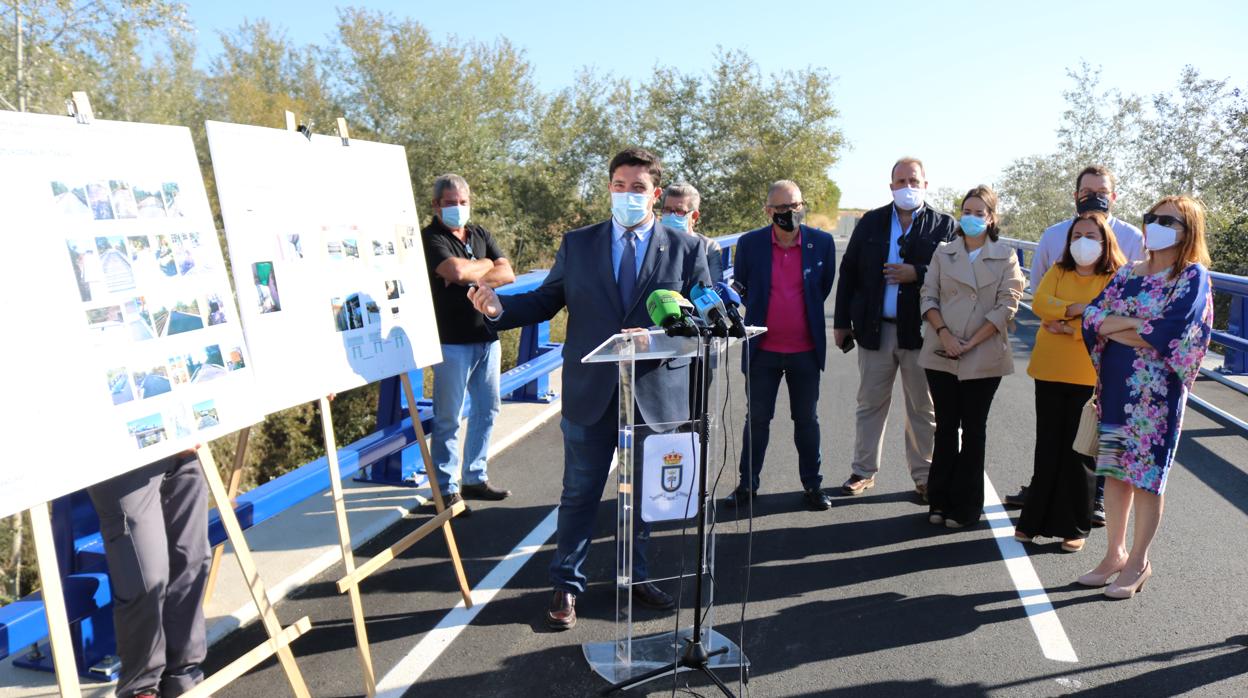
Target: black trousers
1059 498
955 485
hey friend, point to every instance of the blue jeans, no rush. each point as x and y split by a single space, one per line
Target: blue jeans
466 370
800 372
587 452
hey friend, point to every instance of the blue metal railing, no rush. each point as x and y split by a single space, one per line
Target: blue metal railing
1234 337
382 456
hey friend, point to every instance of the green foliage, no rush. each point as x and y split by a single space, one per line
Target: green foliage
1190 140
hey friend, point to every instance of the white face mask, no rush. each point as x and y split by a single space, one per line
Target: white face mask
1085 251
1159 237
908 198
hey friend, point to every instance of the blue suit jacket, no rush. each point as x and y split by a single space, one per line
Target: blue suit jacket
752 271
583 280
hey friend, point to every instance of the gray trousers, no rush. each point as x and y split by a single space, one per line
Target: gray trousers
154 522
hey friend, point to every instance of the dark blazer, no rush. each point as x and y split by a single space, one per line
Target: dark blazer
860 292
752 271
583 280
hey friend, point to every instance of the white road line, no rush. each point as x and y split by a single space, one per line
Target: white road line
413 665
1044 621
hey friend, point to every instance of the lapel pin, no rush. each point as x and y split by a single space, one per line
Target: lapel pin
810 245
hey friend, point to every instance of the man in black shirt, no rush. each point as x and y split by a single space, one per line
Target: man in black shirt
460 255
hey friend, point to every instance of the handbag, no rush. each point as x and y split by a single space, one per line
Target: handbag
1088 438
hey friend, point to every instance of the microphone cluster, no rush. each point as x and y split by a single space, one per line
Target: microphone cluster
709 312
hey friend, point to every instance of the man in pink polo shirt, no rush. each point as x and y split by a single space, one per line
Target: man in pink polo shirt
786 271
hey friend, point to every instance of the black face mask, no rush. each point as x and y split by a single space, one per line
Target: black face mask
788 220
1093 202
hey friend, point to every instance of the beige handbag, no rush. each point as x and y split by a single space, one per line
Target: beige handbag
1088 438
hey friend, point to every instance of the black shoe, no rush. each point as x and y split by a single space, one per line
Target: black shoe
561 614
1098 515
817 499
452 499
484 491
1016 501
740 497
650 596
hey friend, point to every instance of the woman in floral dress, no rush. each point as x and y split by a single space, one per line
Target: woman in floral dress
1147 333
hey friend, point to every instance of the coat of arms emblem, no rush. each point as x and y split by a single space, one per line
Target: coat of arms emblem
673 471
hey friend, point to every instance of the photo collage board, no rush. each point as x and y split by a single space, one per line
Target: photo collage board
132 349
325 244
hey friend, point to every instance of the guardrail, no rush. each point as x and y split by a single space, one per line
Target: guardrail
1233 338
383 456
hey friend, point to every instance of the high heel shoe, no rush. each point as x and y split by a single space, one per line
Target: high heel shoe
1114 591
1093 579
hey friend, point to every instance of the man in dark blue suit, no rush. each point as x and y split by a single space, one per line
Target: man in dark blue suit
786 272
603 274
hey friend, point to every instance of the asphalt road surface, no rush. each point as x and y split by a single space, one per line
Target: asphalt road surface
867 599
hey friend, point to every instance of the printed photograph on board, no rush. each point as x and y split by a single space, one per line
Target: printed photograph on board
147 431
206 414
206 364
119 385
265 280
70 200
170 192
122 197
216 310
182 422
179 374
290 245
115 265
235 360
149 201
138 319
394 289
165 259
100 201
152 382
86 264
184 317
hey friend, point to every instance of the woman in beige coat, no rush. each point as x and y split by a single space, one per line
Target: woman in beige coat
970 295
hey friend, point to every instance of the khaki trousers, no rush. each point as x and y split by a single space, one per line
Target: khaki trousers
876 371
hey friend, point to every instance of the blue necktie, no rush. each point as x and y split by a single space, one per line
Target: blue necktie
627 279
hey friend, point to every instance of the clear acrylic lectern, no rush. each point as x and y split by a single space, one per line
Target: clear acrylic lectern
657 469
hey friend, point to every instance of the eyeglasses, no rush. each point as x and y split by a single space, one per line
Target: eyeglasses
1168 221
785 208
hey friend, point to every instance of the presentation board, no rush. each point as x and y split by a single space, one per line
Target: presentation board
126 346
325 246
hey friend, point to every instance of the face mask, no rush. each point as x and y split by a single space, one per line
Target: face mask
675 221
1159 237
1085 251
908 198
1093 202
789 220
455 217
973 226
629 209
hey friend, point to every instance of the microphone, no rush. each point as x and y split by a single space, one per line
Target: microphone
731 302
710 308
671 311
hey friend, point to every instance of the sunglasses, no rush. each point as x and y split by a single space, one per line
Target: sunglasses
1167 221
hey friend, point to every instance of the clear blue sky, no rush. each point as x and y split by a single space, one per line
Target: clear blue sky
968 86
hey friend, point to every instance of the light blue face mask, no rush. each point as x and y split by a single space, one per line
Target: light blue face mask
629 209
675 221
974 226
455 217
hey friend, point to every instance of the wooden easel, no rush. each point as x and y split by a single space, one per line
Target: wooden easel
279 637
236 479
349 584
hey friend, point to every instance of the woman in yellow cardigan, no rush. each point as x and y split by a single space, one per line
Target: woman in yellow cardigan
1059 498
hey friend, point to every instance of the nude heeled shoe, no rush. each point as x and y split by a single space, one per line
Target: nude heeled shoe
1114 591
1092 579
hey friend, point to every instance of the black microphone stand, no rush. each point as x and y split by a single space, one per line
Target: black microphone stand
696 656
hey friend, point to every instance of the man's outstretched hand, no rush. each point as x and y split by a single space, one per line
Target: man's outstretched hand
485 301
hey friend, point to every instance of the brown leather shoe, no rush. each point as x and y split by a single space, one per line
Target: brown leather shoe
562 612
857 484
